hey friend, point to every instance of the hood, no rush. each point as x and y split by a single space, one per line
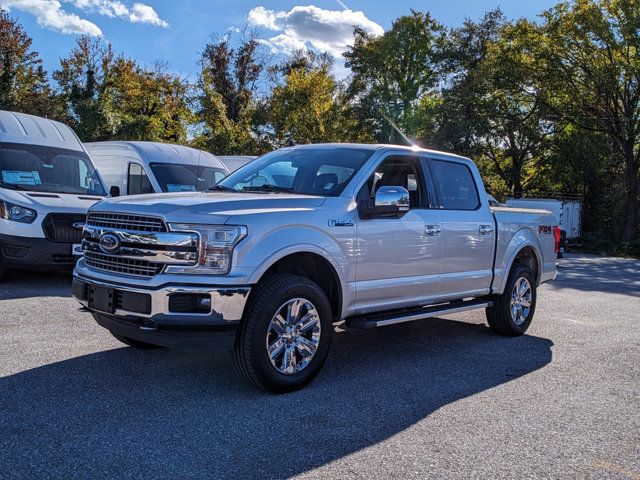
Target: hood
45 202
207 207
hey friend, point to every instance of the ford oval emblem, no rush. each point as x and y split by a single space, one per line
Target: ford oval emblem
109 243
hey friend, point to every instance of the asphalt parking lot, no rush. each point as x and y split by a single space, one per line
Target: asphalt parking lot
441 398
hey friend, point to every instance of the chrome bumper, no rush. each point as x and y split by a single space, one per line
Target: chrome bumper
227 303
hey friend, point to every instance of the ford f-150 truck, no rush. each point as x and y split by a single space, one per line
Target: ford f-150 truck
302 238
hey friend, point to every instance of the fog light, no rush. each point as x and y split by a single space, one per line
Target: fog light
190 303
204 304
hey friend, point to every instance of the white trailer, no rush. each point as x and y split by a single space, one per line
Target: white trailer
568 211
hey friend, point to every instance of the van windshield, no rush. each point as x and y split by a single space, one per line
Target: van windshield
46 169
320 170
176 177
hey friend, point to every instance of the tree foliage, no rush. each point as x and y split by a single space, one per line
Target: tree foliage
227 87
24 85
589 65
392 72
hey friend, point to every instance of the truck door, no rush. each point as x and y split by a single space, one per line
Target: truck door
468 232
399 259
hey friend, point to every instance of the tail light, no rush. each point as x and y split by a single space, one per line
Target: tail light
556 238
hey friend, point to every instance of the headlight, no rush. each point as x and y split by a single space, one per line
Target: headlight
215 249
10 211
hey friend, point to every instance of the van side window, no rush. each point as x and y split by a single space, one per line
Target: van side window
454 185
138 181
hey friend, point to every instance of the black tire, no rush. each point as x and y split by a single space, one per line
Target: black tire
499 316
132 342
251 358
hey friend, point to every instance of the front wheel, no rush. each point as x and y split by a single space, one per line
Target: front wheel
285 334
512 312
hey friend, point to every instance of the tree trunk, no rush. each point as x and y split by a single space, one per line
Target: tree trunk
631 214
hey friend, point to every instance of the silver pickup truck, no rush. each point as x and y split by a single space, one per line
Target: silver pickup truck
305 237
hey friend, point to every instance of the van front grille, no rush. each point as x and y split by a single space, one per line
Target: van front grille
125 266
58 227
123 221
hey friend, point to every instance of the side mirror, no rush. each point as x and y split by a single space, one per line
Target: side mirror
114 191
390 201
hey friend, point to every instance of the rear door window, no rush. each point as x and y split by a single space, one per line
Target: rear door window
454 185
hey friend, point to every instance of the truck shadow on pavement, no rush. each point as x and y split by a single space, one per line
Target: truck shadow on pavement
21 284
149 414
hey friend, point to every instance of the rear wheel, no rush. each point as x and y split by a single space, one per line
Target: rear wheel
512 312
285 335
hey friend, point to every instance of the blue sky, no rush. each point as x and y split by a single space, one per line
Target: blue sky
176 31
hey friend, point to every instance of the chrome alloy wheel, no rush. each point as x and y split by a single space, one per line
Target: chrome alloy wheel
293 336
521 301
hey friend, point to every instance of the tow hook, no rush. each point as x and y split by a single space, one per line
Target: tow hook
148 325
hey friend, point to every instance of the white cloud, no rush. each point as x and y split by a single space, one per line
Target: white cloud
50 14
141 13
325 30
110 8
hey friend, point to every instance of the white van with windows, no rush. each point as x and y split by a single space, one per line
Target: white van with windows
134 168
47 183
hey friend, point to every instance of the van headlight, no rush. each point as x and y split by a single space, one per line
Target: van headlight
16 213
215 250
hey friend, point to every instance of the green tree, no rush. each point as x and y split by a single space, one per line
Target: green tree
85 79
589 65
111 97
149 104
227 86
308 104
392 72
24 85
491 108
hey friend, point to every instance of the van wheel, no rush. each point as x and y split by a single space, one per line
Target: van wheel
512 312
285 334
132 342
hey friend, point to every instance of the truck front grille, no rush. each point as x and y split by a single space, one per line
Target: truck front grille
124 266
58 227
123 221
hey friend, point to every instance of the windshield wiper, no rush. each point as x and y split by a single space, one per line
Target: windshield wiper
13 186
222 188
268 188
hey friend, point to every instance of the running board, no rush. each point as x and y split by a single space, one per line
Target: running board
381 319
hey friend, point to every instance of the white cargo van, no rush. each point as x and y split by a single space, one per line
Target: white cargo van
47 183
234 162
568 211
133 168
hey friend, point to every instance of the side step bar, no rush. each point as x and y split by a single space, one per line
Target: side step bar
381 319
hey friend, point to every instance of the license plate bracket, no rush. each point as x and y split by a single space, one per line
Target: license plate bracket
101 299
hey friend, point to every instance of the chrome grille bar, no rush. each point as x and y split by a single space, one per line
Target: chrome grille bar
126 266
123 221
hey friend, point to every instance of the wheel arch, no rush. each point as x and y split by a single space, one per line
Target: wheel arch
524 248
312 263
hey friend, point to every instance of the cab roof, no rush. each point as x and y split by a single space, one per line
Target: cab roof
380 146
18 127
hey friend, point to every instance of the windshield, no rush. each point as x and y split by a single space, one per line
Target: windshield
46 169
308 171
175 177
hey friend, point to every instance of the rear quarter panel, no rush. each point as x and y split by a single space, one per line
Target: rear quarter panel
520 228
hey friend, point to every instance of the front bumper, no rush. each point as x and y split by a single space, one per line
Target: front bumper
148 314
35 253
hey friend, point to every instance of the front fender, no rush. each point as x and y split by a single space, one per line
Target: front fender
507 251
262 252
